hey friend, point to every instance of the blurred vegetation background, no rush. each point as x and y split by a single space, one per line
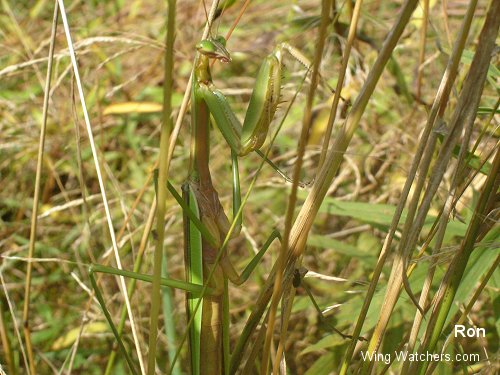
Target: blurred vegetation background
120 49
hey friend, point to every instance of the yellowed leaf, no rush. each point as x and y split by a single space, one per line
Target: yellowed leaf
70 337
132 107
418 14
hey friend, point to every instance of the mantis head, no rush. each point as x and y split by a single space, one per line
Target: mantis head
214 48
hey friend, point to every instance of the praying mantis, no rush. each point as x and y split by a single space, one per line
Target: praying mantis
207 229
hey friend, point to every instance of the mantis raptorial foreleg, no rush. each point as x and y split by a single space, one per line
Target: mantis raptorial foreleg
249 136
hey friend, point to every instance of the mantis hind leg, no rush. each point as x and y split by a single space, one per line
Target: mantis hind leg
230 271
231 274
299 282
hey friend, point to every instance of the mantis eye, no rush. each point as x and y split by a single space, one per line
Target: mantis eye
206 47
221 40
214 48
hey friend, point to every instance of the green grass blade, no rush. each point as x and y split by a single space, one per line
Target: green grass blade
99 297
236 190
256 259
163 167
195 289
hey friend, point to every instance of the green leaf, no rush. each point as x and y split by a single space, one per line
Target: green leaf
326 342
487 110
473 161
323 366
378 214
338 246
467 57
479 263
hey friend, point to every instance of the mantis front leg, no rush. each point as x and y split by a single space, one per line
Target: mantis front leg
263 103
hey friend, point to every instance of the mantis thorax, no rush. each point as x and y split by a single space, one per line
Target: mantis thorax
202 69
211 48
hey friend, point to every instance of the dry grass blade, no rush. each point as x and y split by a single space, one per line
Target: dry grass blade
340 82
14 320
36 195
307 214
419 159
395 163
423 42
5 340
443 222
287 308
463 117
466 113
99 176
306 126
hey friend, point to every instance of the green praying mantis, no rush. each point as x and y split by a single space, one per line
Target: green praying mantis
203 199
207 229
